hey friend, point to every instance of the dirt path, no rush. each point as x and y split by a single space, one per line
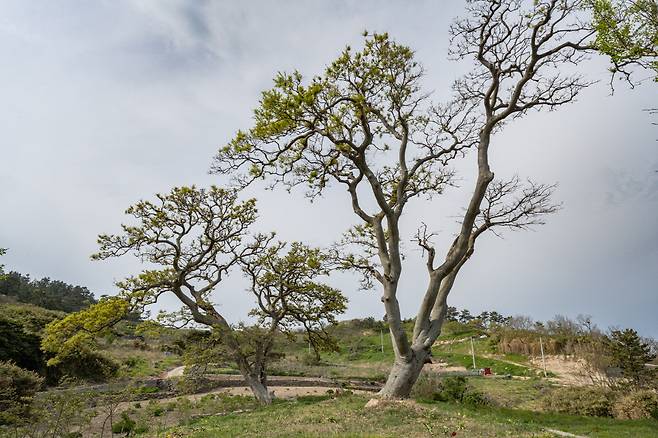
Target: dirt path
442 367
499 359
100 422
175 372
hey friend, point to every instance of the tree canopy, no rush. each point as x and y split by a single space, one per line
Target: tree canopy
367 124
630 354
192 238
627 32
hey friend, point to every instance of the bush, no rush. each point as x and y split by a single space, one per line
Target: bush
426 386
452 389
589 401
430 386
17 389
310 359
125 425
86 364
146 389
636 405
475 398
56 414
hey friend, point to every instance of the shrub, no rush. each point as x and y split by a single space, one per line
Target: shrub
86 364
125 425
589 401
146 389
475 398
430 386
636 405
453 389
310 359
17 389
57 414
426 386
368 323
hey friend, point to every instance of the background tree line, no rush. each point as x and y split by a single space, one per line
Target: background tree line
46 293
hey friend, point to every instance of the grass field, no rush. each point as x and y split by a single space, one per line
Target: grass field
346 416
360 356
511 405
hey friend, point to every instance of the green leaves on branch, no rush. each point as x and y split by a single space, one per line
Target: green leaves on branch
289 295
186 231
309 132
627 32
78 330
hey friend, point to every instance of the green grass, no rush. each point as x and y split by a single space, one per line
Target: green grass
137 363
515 357
346 416
497 366
359 357
589 426
511 393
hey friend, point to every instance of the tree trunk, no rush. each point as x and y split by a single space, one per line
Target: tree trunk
259 390
404 374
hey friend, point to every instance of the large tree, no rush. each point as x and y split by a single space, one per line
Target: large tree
366 124
193 238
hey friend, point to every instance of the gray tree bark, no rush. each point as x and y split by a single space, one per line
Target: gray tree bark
259 389
403 375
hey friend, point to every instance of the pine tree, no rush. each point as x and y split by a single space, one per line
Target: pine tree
628 352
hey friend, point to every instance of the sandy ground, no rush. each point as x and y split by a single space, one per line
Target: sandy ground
176 372
442 367
569 372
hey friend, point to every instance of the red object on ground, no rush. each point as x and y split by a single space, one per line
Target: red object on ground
487 371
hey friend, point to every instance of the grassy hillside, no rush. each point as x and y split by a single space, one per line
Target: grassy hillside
346 416
513 398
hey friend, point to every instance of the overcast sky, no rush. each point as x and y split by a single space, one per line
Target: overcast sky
108 102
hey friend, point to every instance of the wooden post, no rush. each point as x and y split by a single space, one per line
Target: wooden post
473 352
543 361
381 337
309 345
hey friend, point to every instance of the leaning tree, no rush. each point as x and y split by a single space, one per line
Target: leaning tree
367 125
192 238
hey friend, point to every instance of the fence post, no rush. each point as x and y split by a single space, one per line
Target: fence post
543 361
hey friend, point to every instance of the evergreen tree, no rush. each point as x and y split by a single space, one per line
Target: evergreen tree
465 316
47 293
629 353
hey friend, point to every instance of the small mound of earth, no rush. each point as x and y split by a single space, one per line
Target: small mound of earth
442 367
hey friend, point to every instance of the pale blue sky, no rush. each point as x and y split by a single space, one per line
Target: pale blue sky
108 102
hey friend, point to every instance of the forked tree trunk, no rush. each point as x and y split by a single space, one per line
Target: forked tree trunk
403 375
